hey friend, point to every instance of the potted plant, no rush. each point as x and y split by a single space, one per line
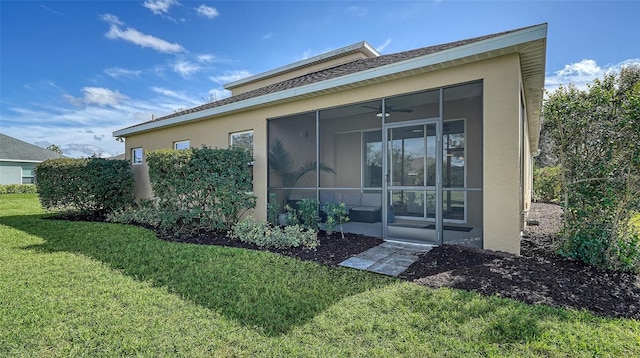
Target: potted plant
281 164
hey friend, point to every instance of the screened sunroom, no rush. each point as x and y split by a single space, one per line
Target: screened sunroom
407 167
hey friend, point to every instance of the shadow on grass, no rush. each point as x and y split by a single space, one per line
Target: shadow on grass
266 291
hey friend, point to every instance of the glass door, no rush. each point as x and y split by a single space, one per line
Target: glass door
414 211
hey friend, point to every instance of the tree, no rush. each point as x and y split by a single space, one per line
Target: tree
55 148
596 136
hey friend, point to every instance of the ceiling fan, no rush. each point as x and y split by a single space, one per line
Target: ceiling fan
389 109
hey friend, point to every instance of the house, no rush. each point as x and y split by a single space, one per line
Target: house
18 160
430 145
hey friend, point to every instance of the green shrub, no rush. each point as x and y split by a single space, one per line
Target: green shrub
337 214
200 188
273 210
145 213
92 186
308 214
293 218
18 189
596 134
263 234
626 252
547 184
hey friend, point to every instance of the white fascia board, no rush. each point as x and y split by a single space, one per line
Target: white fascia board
476 48
21 161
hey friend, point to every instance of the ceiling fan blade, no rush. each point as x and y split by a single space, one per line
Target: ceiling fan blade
374 108
404 110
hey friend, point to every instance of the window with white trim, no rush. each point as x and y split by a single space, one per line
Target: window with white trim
182 144
243 140
28 176
136 156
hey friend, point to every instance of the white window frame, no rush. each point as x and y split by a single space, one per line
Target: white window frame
232 136
250 164
181 144
134 156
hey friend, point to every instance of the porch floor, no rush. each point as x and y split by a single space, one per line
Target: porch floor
390 258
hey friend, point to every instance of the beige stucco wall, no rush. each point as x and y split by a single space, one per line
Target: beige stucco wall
501 192
502 156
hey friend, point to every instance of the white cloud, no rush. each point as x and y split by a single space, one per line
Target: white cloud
117 72
67 128
134 36
207 11
230 76
218 93
267 36
582 73
97 96
186 68
205 58
51 10
84 130
183 98
112 19
383 46
160 7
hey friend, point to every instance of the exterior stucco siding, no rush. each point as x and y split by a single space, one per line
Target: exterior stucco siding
501 175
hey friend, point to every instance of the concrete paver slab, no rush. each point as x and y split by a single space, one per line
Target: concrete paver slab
388 258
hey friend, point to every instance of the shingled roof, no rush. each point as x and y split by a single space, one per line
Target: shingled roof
336 72
15 150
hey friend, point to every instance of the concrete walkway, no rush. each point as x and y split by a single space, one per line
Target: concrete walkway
389 258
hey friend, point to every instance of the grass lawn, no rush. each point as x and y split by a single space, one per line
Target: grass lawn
95 289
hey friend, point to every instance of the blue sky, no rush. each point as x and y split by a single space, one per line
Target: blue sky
72 72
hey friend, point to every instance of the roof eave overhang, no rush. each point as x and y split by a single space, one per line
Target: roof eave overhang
531 38
22 160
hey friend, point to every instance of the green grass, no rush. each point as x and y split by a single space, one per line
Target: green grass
94 289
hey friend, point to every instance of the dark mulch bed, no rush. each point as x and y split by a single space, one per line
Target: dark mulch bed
331 251
538 276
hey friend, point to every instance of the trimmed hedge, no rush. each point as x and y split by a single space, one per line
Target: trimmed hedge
200 188
91 186
17 189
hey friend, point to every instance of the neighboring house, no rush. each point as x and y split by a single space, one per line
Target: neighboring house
118 157
18 160
431 145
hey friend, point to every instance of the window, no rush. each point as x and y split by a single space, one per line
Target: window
242 140
28 176
136 156
183 144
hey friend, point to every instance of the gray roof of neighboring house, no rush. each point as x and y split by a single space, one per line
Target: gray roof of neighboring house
12 149
117 157
345 70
